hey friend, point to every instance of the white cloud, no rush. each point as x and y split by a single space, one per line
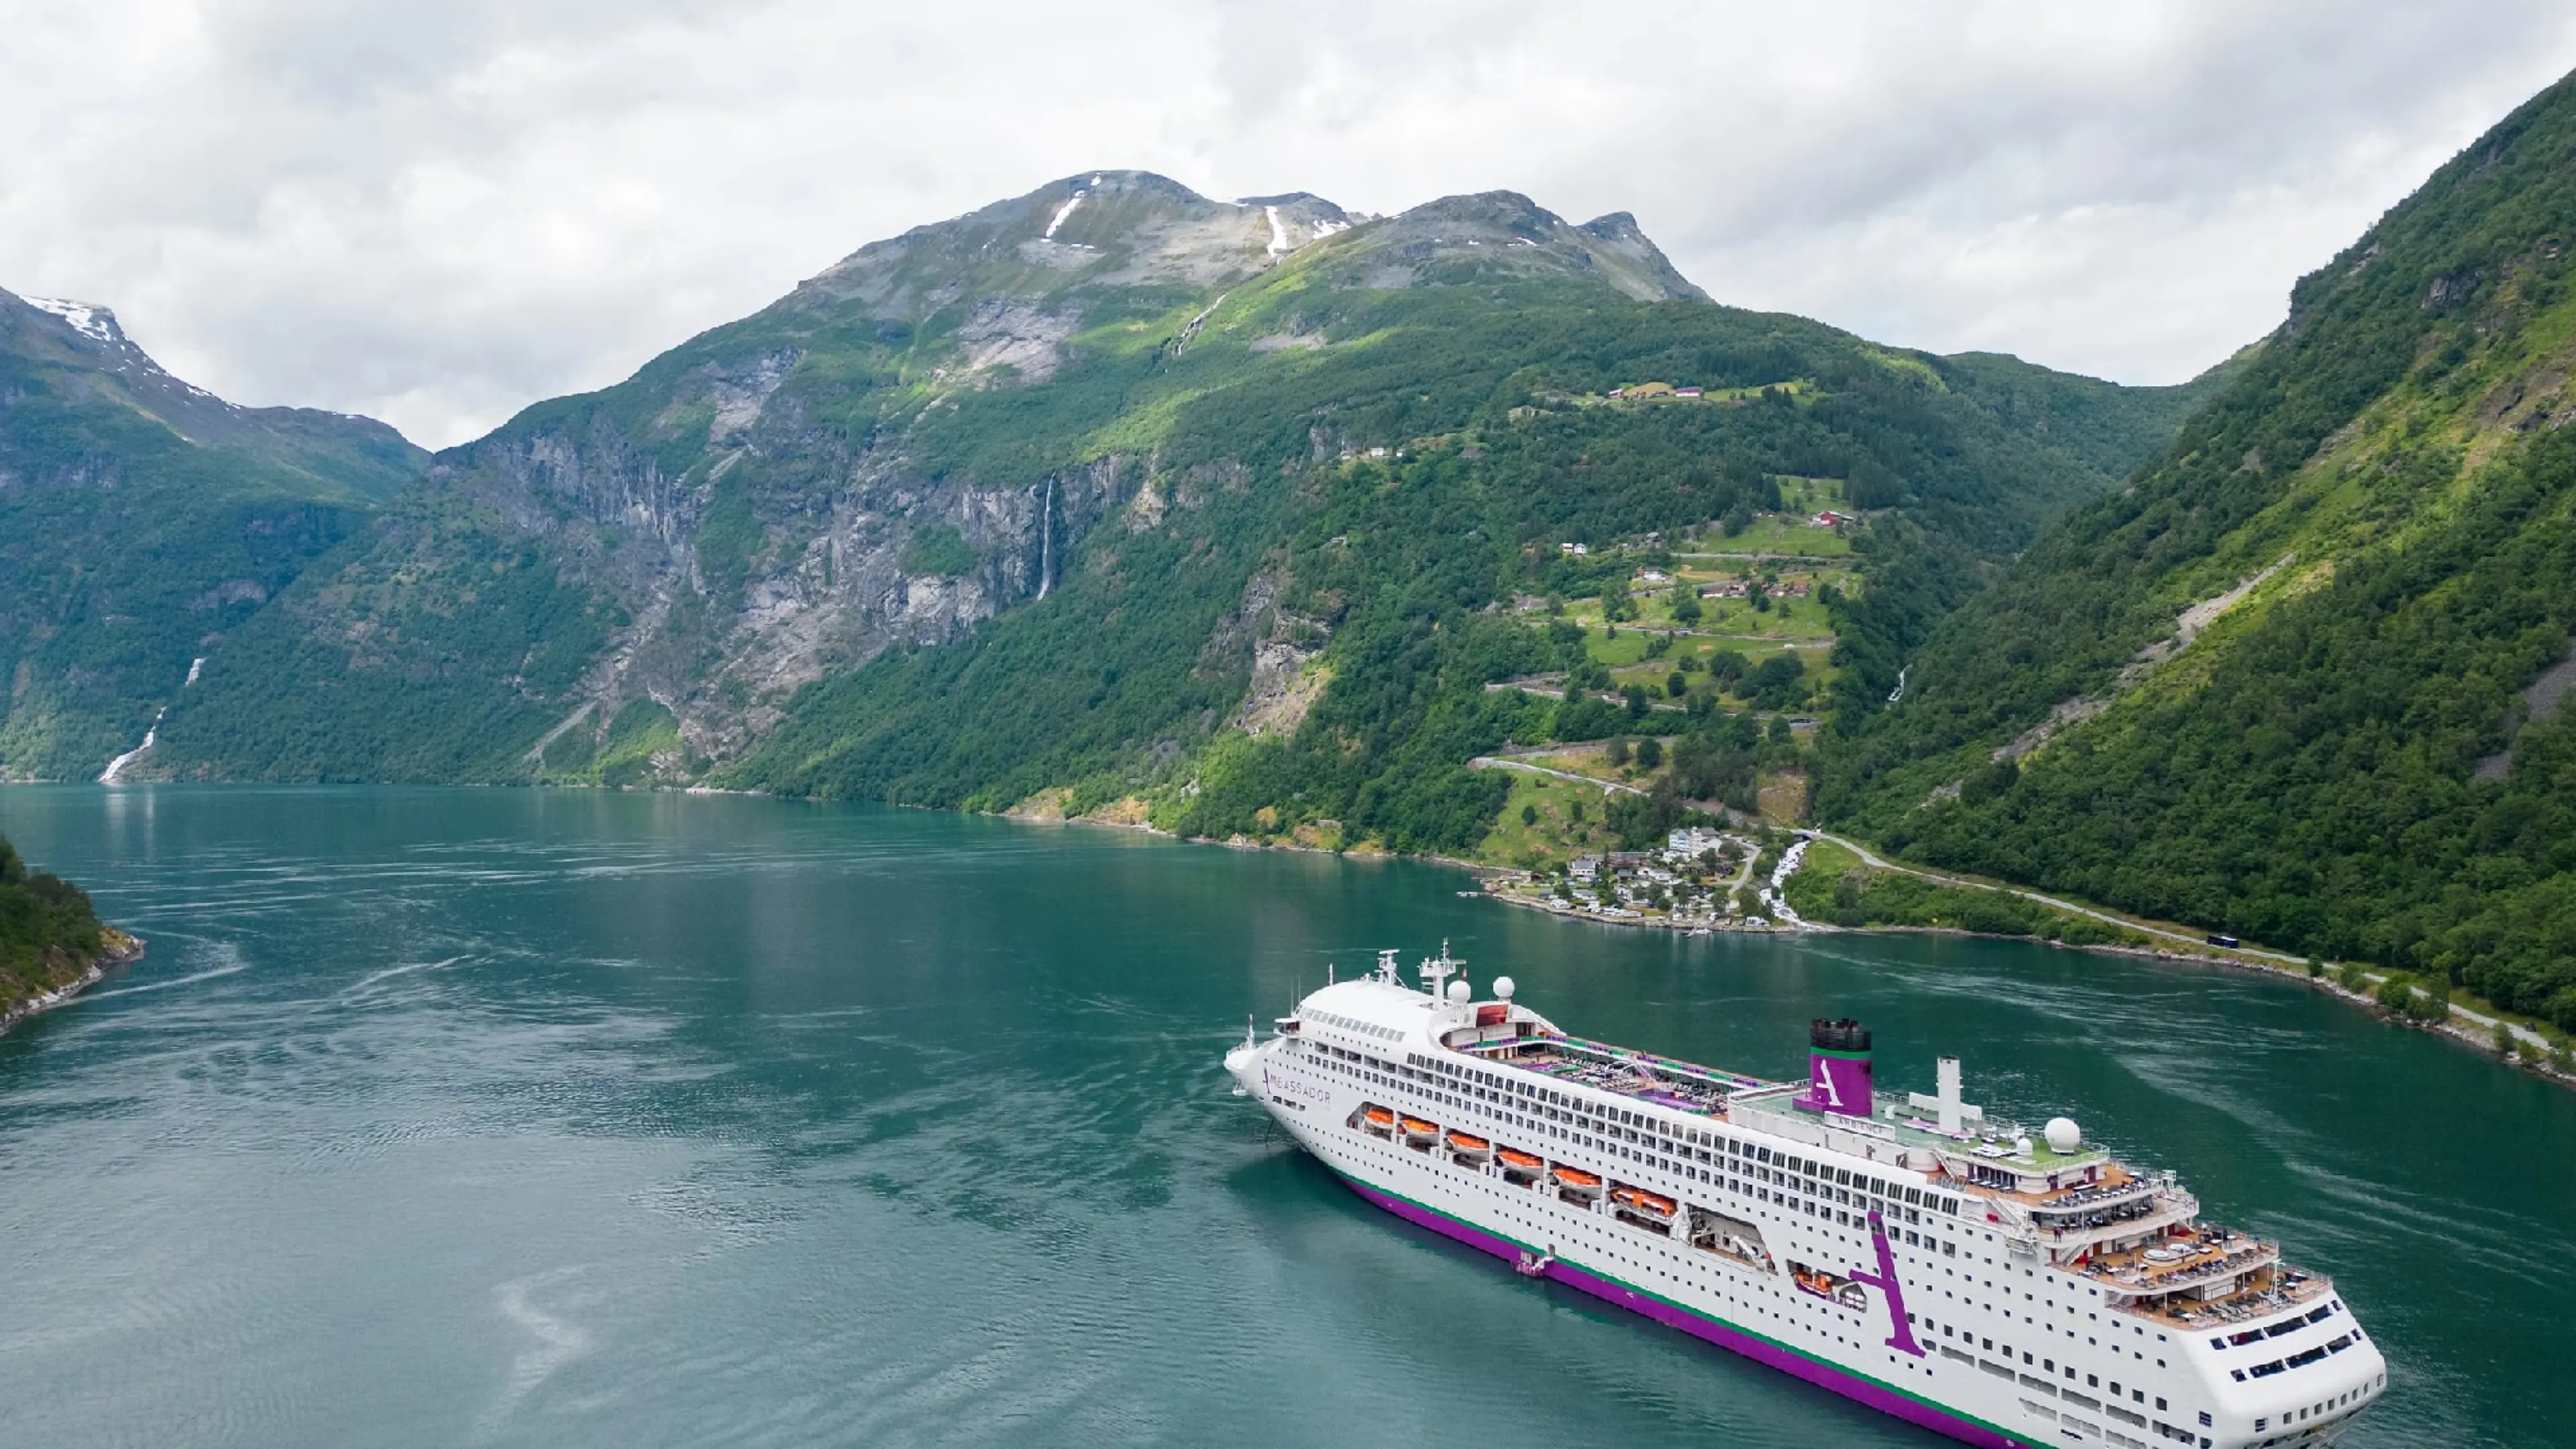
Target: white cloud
438 214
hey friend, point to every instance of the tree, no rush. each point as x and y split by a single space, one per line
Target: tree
1779 682
1675 686
1685 604
1529 815
1636 701
1650 753
1619 750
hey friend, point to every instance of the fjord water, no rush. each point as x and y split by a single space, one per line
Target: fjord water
516 1117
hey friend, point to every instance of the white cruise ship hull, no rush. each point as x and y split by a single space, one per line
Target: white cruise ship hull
1693 1291
1731 1223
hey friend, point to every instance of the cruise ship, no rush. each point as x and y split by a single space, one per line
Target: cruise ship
1909 1252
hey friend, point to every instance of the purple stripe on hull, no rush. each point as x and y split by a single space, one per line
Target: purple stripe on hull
1823 1375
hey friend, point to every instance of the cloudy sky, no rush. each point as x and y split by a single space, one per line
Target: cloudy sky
438 213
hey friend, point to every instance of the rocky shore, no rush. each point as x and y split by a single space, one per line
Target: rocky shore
116 949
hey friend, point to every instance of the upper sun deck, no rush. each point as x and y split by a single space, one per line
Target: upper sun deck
1665 1082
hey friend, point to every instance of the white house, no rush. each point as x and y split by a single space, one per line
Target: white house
1691 841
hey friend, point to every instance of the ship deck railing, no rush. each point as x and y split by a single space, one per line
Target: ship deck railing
2208 1261
2166 1206
2287 1290
2118 1185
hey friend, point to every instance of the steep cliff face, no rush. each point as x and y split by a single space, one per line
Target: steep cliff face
774 501
733 587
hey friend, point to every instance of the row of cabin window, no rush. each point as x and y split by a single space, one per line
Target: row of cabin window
1751 1154
1626 1119
1820 1206
2047 1365
2318 1315
2297 1360
2316 1410
1382 1033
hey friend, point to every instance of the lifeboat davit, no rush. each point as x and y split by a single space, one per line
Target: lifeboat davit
1417 1130
1575 1179
1518 1160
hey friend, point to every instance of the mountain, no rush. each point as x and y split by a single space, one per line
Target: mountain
140 519
1225 510
2303 678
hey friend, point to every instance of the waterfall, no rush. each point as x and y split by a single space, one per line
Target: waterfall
1046 542
116 768
115 771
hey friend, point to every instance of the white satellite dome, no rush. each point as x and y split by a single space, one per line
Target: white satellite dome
1460 991
2021 1147
1502 988
2063 1135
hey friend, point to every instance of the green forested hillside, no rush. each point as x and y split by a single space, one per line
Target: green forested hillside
1033 499
140 521
1502 444
2299 679
48 933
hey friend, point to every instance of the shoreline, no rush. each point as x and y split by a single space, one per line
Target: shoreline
1489 876
121 949
2461 1032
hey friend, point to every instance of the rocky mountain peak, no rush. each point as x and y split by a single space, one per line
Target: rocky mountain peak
1072 240
1491 236
77 353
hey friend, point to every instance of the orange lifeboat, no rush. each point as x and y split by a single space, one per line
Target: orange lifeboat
1467 1144
1647 1202
1578 1180
1417 1130
1379 1119
1525 1161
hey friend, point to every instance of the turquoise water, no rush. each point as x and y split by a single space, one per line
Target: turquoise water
516 1117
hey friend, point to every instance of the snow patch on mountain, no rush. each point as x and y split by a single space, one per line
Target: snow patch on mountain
1064 211
87 318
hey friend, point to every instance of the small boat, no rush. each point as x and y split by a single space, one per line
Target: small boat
1379 1120
1417 1130
1643 1201
1575 1179
1467 1144
1516 1160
